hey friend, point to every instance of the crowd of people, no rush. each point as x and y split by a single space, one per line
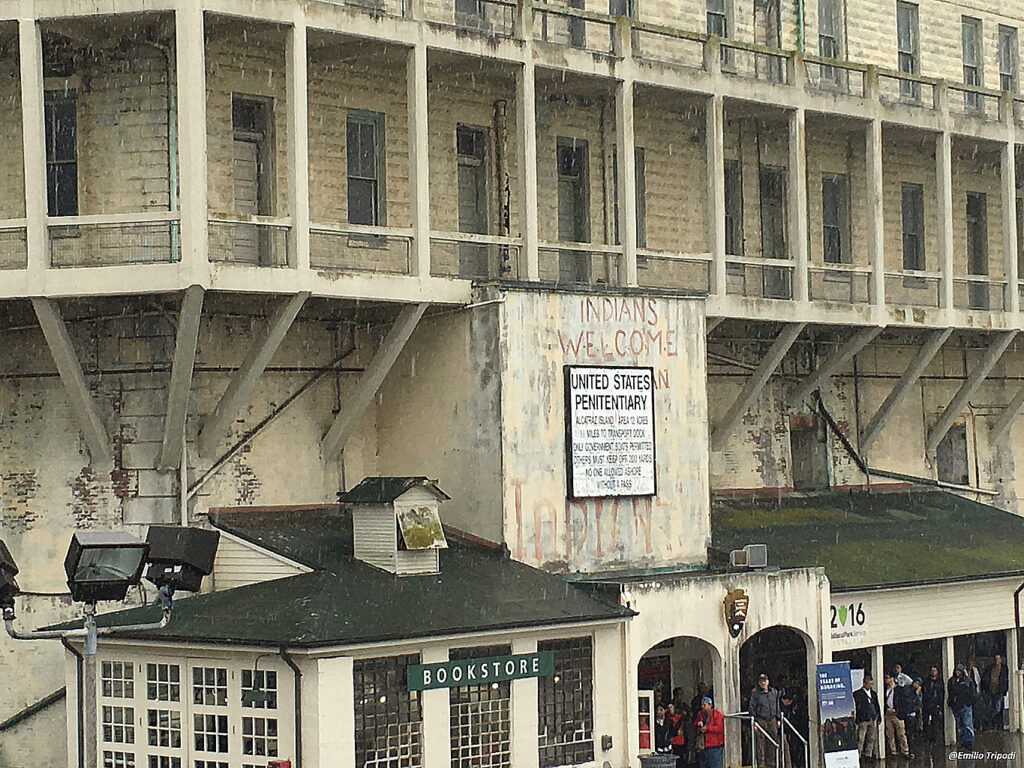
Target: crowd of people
693 731
913 708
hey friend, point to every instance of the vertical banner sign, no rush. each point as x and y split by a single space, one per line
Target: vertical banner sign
838 723
609 431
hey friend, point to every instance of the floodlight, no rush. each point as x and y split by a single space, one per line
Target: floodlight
8 570
179 557
101 566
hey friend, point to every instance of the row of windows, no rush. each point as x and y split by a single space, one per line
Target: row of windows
389 718
210 733
209 684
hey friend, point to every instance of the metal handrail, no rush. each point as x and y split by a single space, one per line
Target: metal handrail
807 746
753 744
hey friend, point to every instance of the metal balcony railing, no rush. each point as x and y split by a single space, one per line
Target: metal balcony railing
839 283
356 248
580 263
102 240
680 271
475 257
256 240
13 244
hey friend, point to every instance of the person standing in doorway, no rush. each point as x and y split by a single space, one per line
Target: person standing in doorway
766 709
901 677
868 716
995 684
677 740
960 696
711 726
662 730
933 696
895 730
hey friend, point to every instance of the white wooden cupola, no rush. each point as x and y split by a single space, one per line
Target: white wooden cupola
396 524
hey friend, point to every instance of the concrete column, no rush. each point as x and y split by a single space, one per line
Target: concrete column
1013 664
875 212
526 160
878 673
437 745
611 697
190 60
335 704
626 143
524 711
33 135
714 117
1008 176
419 158
298 144
797 210
948 663
944 178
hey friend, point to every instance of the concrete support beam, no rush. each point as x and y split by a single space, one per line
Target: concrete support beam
296 83
524 717
1008 178
797 209
878 673
711 323
352 409
419 158
33 135
526 164
626 159
83 407
968 388
948 664
190 62
1006 418
180 386
714 119
909 378
769 363
842 355
944 179
875 212
240 389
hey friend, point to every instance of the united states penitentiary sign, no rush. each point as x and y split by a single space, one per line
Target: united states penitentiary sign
452 674
609 431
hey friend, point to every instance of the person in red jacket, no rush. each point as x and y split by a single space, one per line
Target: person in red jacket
712 726
678 740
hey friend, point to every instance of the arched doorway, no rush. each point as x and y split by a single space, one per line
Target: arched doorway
679 670
785 656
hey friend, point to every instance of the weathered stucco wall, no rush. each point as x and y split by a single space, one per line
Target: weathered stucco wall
542 332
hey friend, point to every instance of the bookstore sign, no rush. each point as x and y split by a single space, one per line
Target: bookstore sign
492 669
609 431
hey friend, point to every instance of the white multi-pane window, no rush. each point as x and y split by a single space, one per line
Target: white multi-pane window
160 712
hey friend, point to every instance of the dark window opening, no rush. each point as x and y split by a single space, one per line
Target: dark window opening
777 283
388 717
733 208
365 161
808 445
61 124
471 149
912 205
951 457
573 205
252 176
565 704
1008 58
835 218
907 48
977 249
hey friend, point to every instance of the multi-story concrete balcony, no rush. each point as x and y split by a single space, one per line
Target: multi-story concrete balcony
400 150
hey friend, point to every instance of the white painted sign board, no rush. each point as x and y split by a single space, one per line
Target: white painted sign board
609 431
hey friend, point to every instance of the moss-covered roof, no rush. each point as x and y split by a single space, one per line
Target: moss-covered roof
344 601
865 539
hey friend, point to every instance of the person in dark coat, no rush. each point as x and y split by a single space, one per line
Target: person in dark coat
933 696
662 730
995 682
766 709
868 716
961 694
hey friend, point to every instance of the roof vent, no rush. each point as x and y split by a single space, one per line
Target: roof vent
751 556
396 525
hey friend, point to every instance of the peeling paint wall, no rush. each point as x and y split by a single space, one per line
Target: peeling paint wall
542 332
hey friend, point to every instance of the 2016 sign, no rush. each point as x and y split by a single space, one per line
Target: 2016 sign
848 615
609 431
452 674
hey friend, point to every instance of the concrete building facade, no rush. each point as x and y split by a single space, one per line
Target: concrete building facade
251 253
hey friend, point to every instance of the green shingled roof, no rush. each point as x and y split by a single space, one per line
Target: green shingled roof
344 601
866 539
